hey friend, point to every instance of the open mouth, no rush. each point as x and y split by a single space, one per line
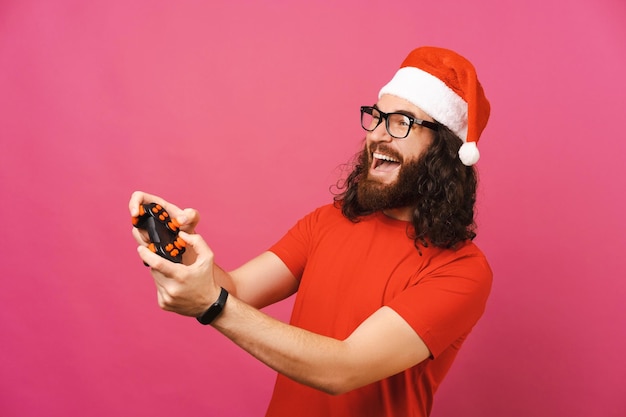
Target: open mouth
384 163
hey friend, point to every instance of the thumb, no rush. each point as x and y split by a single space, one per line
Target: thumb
196 243
188 219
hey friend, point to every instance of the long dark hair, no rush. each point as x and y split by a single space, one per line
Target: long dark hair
444 212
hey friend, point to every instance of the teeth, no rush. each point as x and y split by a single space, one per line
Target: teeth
384 157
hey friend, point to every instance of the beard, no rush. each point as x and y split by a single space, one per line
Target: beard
403 192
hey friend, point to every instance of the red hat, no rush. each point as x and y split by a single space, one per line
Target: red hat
444 85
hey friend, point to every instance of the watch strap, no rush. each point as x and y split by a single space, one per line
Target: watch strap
216 308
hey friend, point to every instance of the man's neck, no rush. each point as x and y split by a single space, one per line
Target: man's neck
402 213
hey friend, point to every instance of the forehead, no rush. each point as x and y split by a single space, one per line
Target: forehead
390 104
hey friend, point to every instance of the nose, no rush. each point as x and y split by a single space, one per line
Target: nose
380 133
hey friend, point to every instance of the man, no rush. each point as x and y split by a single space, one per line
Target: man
388 281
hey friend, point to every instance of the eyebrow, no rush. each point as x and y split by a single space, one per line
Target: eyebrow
404 112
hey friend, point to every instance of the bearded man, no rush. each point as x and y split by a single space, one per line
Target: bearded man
387 279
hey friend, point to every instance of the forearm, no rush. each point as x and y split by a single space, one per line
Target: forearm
224 279
260 282
246 290
314 360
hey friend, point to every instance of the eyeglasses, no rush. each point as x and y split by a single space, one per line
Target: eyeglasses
398 124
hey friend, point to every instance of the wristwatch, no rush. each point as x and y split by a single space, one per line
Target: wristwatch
216 308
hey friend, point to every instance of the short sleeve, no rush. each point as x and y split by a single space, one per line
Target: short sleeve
447 301
294 247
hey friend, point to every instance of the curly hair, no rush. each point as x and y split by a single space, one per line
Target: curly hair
444 212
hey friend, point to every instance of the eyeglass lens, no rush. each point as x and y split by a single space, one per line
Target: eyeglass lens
397 124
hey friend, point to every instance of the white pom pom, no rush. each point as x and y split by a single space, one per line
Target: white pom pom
468 154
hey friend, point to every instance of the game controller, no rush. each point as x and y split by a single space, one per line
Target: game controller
162 231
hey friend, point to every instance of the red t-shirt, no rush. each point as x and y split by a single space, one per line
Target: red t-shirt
349 270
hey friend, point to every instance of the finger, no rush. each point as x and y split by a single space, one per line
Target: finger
157 263
163 297
141 236
188 219
138 198
197 244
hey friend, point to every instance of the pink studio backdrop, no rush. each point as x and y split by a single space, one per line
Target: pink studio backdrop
246 110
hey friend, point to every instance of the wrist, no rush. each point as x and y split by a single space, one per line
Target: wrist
215 309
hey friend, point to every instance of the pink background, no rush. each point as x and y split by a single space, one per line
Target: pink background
246 110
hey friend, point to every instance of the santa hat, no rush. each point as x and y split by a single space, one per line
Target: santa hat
445 86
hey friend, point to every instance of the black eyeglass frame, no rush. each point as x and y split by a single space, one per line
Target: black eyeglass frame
385 116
